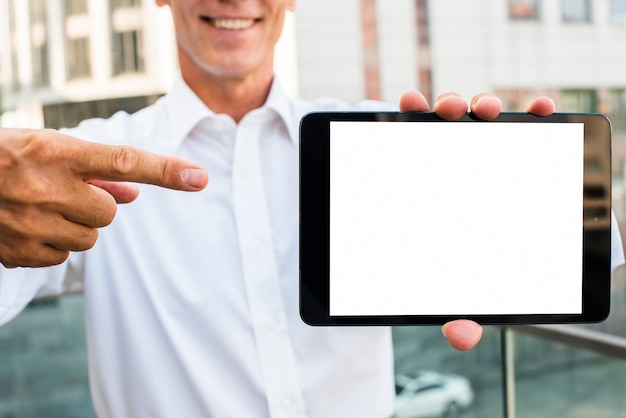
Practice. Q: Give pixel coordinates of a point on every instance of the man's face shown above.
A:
(228, 38)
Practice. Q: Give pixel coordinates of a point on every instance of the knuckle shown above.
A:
(30, 169)
(56, 257)
(90, 239)
(32, 191)
(123, 160)
(19, 226)
(166, 170)
(42, 144)
(84, 241)
(106, 215)
(20, 145)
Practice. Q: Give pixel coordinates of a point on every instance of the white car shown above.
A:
(432, 394)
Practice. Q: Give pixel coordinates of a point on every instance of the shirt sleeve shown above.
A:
(19, 286)
(617, 247)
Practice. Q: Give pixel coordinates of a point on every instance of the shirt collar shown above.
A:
(185, 110)
(280, 103)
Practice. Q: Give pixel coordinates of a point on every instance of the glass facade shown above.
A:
(43, 372)
(618, 12)
(617, 109)
(77, 66)
(557, 380)
(78, 41)
(579, 101)
(576, 10)
(39, 41)
(43, 362)
(424, 350)
(76, 7)
(15, 83)
(127, 44)
(124, 3)
(127, 52)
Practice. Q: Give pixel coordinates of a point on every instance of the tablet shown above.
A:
(406, 218)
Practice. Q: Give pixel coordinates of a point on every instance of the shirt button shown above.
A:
(286, 404)
(259, 245)
(271, 324)
(247, 175)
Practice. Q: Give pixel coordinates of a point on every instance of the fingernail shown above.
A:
(195, 177)
(486, 97)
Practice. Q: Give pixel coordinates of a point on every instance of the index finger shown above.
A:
(96, 161)
(413, 101)
(542, 106)
(450, 106)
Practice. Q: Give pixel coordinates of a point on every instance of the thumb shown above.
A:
(122, 192)
(462, 334)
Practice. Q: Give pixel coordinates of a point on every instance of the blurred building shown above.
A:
(66, 60)
(572, 50)
(62, 52)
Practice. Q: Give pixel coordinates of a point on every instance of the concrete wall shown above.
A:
(477, 47)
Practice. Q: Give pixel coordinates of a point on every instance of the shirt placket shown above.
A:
(277, 361)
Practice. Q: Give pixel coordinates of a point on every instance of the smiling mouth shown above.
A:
(230, 24)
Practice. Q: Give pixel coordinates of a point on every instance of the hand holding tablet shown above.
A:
(410, 219)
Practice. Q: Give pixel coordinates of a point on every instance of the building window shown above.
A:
(75, 7)
(524, 9)
(39, 50)
(576, 10)
(127, 37)
(617, 112)
(15, 81)
(78, 64)
(40, 61)
(127, 56)
(579, 101)
(618, 12)
(116, 4)
(77, 32)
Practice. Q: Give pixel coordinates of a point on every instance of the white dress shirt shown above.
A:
(192, 298)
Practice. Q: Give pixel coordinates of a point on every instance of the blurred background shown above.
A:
(62, 61)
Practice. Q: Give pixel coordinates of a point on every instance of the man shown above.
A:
(191, 298)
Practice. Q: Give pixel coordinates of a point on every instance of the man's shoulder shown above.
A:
(328, 104)
(121, 127)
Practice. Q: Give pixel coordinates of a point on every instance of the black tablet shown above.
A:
(406, 218)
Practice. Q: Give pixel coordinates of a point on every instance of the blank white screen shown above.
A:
(455, 218)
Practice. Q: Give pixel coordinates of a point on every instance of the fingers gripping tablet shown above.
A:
(409, 219)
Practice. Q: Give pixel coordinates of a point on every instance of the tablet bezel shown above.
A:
(315, 221)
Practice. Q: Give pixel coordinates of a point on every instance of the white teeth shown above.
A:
(233, 24)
